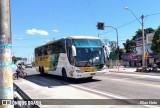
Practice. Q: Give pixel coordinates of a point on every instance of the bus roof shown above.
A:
(71, 37)
(83, 37)
(48, 43)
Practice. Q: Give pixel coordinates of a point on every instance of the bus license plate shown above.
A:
(93, 73)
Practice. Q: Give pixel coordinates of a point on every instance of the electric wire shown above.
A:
(129, 23)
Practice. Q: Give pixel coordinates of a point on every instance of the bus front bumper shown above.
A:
(90, 74)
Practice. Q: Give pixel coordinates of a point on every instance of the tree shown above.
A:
(146, 31)
(113, 47)
(121, 51)
(149, 30)
(130, 46)
(155, 46)
(106, 41)
(138, 32)
(15, 59)
(111, 44)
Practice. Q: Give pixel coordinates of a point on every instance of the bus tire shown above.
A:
(64, 74)
(42, 71)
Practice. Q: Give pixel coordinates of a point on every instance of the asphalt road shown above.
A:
(113, 85)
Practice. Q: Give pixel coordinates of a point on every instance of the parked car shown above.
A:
(28, 66)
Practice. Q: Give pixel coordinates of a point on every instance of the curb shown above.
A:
(24, 97)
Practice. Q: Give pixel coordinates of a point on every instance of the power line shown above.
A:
(119, 26)
(91, 12)
(129, 23)
(152, 14)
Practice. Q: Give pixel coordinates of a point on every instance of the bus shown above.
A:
(72, 57)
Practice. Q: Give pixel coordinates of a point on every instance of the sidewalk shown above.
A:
(34, 91)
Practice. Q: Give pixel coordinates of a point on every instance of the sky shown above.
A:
(36, 22)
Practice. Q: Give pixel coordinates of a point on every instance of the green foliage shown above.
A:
(139, 32)
(33, 63)
(146, 31)
(14, 59)
(111, 44)
(149, 30)
(121, 51)
(130, 46)
(155, 46)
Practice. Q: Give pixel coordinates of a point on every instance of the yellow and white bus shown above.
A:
(72, 57)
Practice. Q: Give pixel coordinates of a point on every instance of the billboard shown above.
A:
(139, 40)
(147, 38)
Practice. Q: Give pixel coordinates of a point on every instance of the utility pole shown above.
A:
(6, 81)
(143, 42)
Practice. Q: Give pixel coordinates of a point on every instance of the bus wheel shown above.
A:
(89, 78)
(42, 71)
(64, 74)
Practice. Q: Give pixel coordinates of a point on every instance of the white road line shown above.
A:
(117, 79)
(140, 76)
(99, 92)
(94, 91)
(134, 82)
(109, 95)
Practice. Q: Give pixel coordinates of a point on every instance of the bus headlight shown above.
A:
(79, 71)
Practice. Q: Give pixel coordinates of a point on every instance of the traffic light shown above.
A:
(100, 26)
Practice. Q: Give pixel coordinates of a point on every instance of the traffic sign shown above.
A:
(146, 54)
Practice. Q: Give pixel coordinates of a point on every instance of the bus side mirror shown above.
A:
(107, 51)
(74, 51)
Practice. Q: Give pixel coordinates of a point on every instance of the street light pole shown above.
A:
(143, 42)
(116, 45)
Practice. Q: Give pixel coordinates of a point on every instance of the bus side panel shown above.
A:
(63, 63)
(42, 61)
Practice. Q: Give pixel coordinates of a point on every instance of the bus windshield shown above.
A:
(89, 56)
(89, 52)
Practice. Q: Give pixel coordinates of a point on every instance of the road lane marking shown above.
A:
(118, 79)
(94, 91)
(141, 75)
(131, 82)
(98, 92)
(108, 94)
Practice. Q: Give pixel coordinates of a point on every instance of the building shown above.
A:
(148, 52)
(129, 59)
